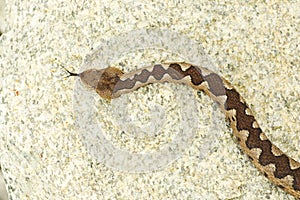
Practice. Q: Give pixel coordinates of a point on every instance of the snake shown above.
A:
(278, 167)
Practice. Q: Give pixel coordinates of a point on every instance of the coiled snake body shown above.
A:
(277, 167)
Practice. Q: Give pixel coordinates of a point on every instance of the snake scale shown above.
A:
(279, 168)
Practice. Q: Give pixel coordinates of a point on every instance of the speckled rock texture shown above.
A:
(254, 45)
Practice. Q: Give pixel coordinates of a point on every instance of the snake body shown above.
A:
(270, 160)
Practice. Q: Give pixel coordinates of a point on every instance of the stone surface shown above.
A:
(253, 45)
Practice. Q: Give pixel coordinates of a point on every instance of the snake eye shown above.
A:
(232, 118)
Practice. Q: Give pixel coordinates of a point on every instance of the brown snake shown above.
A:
(277, 167)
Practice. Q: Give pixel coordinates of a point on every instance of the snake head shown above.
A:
(103, 81)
